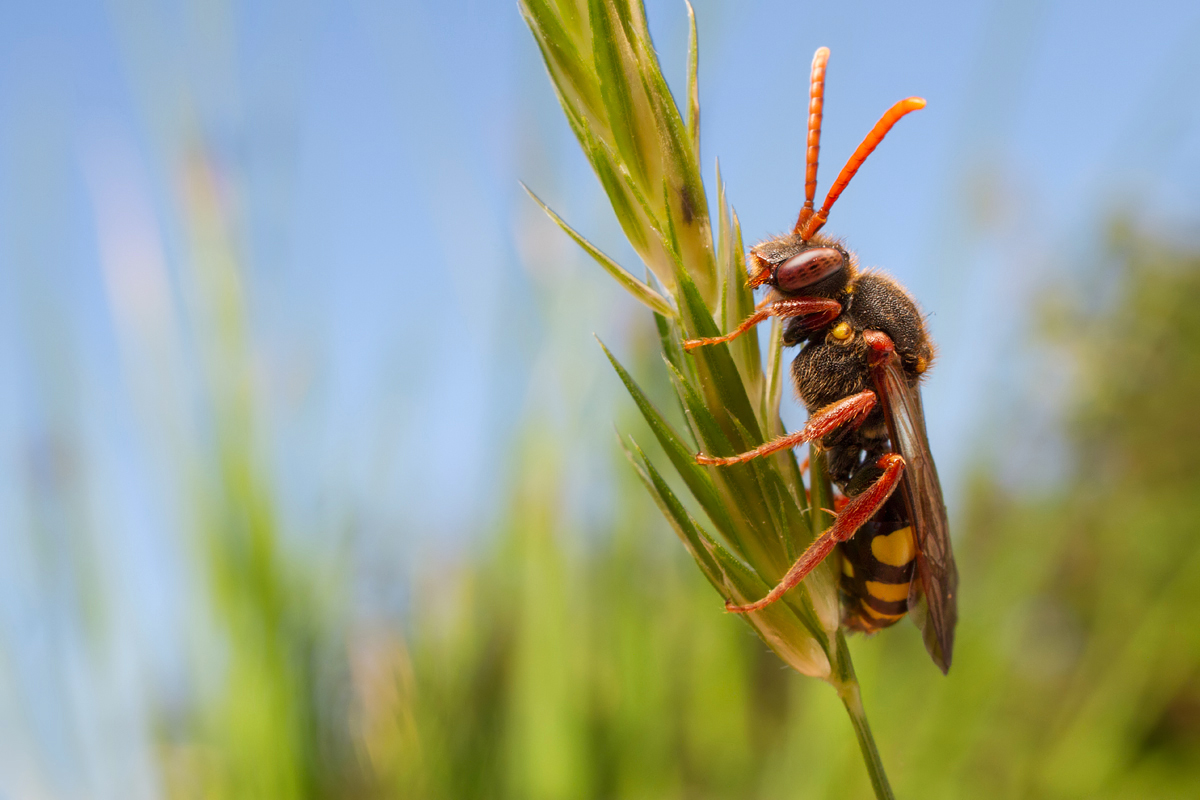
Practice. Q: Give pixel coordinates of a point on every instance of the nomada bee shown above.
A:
(865, 350)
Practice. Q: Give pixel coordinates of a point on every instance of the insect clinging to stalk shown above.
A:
(865, 350)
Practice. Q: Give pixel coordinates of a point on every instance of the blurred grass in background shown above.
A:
(540, 668)
(546, 674)
(554, 659)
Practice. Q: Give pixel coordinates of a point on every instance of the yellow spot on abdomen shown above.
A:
(896, 549)
(847, 568)
(888, 592)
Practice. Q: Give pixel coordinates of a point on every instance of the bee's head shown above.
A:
(795, 266)
(801, 260)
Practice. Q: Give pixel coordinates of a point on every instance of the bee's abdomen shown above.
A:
(877, 571)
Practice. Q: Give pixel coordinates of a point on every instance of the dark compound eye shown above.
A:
(808, 268)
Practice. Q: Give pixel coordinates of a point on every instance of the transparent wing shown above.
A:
(933, 598)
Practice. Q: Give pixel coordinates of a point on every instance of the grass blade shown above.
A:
(723, 387)
(681, 455)
(697, 542)
(655, 301)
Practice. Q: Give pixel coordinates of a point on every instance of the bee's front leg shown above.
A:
(822, 311)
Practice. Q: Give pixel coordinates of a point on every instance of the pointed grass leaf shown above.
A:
(682, 457)
(744, 305)
(769, 485)
(719, 376)
(820, 491)
(737, 299)
(723, 263)
(687, 203)
(655, 301)
(697, 542)
(737, 483)
(773, 390)
(772, 394)
(632, 15)
(669, 341)
(671, 240)
(709, 433)
(569, 72)
(624, 203)
(638, 219)
(620, 88)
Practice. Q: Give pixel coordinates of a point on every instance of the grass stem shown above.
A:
(848, 690)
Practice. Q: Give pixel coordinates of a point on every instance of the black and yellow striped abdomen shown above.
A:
(878, 564)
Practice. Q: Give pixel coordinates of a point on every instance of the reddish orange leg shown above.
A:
(860, 509)
(848, 410)
(822, 312)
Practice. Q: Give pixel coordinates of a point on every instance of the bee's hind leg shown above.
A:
(858, 510)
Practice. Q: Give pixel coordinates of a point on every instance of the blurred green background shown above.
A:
(308, 483)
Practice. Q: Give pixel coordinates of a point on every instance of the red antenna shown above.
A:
(816, 107)
(808, 223)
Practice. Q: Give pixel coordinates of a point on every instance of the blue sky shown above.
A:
(409, 308)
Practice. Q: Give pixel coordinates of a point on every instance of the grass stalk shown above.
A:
(848, 690)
